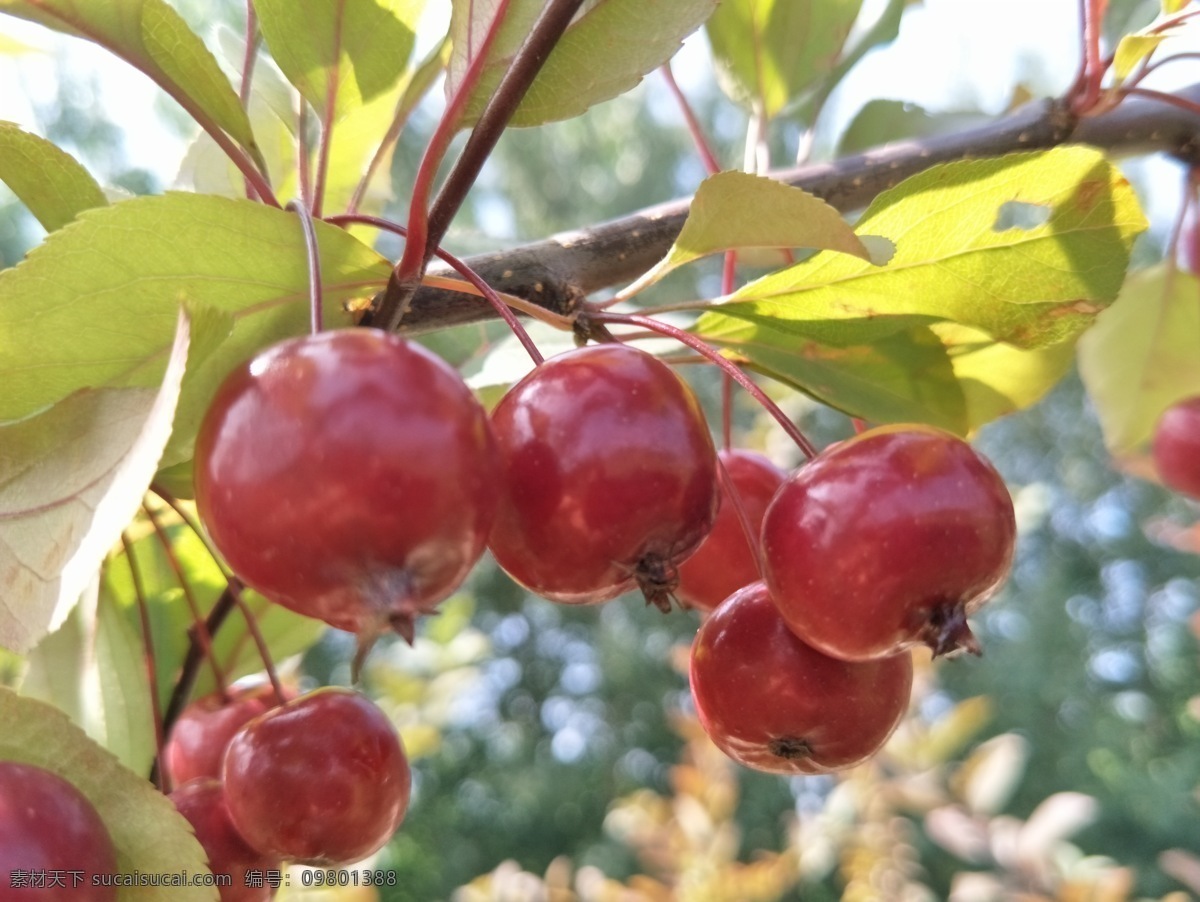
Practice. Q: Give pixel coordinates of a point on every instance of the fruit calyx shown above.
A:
(946, 631)
(790, 748)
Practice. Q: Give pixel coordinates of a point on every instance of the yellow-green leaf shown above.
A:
(769, 51)
(71, 478)
(1027, 248)
(49, 181)
(904, 377)
(604, 53)
(340, 53)
(1142, 355)
(1132, 49)
(153, 37)
(96, 303)
(149, 835)
(737, 210)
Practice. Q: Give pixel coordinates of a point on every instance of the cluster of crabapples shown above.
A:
(352, 476)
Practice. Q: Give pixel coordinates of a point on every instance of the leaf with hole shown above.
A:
(1027, 248)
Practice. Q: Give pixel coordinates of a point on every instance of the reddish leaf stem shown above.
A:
(312, 250)
(490, 295)
(407, 272)
(323, 147)
(190, 596)
(162, 781)
(713, 356)
(693, 124)
(235, 589)
(190, 669)
(1163, 97)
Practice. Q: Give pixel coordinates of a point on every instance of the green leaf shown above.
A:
(1027, 248)
(997, 379)
(49, 181)
(769, 51)
(71, 478)
(151, 36)
(604, 53)
(736, 210)
(95, 304)
(905, 377)
(1132, 49)
(1141, 357)
(94, 669)
(149, 835)
(284, 632)
(881, 121)
(347, 51)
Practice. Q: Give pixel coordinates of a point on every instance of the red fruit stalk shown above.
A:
(774, 703)
(725, 560)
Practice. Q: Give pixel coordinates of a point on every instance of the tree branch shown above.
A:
(558, 272)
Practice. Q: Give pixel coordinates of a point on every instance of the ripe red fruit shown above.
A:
(349, 476)
(725, 562)
(319, 780)
(609, 476)
(1177, 447)
(887, 541)
(200, 736)
(202, 802)
(772, 702)
(47, 825)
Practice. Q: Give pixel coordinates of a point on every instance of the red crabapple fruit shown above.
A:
(773, 703)
(320, 780)
(888, 540)
(608, 476)
(47, 825)
(202, 802)
(1177, 447)
(349, 476)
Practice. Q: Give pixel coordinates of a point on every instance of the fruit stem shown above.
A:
(315, 288)
(235, 588)
(731, 494)
(713, 356)
(304, 170)
(190, 669)
(489, 294)
(163, 781)
(190, 597)
(711, 166)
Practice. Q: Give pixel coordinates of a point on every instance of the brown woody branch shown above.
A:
(558, 272)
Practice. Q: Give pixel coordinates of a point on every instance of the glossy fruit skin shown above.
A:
(888, 540)
(609, 476)
(200, 736)
(320, 780)
(349, 476)
(774, 703)
(1177, 447)
(46, 824)
(725, 562)
(202, 802)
